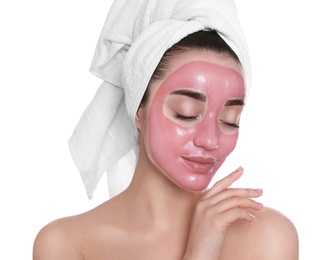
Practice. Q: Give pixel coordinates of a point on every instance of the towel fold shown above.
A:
(133, 40)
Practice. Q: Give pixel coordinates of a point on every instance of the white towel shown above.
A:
(134, 38)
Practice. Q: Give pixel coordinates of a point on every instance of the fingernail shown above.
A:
(251, 215)
(260, 191)
(239, 169)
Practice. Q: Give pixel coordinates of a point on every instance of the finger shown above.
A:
(224, 183)
(225, 219)
(235, 202)
(234, 192)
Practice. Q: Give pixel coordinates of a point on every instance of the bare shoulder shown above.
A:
(77, 237)
(58, 240)
(278, 235)
(271, 236)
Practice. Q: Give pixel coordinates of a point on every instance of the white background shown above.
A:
(45, 52)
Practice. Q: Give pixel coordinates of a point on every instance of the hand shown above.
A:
(215, 211)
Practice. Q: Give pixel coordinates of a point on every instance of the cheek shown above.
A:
(228, 143)
(166, 139)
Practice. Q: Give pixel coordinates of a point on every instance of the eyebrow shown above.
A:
(201, 97)
(191, 94)
(234, 102)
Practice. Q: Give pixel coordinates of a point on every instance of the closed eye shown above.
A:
(230, 124)
(185, 118)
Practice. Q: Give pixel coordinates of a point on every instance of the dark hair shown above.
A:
(201, 40)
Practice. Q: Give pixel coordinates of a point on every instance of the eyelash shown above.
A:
(188, 118)
(185, 118)
(230, 124)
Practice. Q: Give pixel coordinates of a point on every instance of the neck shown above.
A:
(156, 201)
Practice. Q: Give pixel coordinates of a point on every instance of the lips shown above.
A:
(199, 164)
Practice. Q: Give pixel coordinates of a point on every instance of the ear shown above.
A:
(139, 118)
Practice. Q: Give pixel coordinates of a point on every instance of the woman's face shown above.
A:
(193, 118)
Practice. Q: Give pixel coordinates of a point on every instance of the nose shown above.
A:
(207, 135)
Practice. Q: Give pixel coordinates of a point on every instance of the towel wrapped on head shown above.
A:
(133, 40)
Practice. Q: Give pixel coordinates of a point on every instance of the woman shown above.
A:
(187, 124)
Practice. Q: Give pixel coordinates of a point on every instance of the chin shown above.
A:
(196, 184)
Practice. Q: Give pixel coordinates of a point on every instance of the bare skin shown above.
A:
(154, 218)
(114, 231)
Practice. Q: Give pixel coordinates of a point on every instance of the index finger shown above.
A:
(224, 183)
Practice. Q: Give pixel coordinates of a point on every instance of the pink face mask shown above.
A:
(193, 122)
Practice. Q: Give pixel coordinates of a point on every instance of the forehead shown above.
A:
(205, 56)
(186, 59)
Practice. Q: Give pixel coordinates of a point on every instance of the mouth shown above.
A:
(199, 164)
